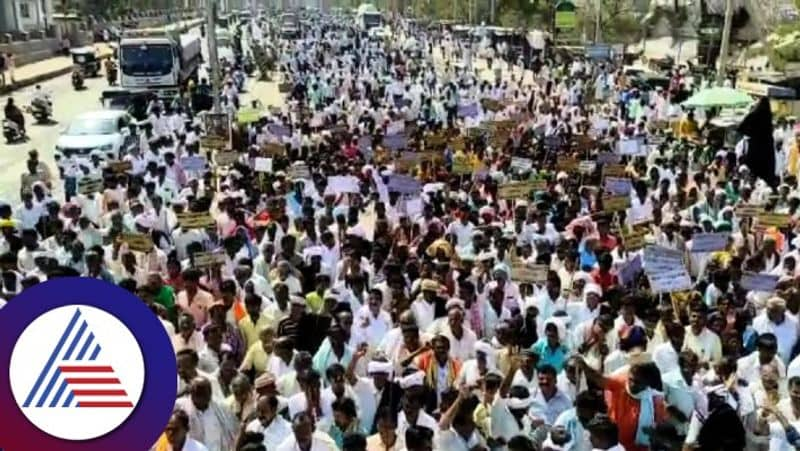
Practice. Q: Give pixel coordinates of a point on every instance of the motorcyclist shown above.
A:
(14, 114)
(111, 71)
(40, 98)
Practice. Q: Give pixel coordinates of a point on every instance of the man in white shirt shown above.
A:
(273, 426)
(749, 368)
(305, 436)
(776, 320)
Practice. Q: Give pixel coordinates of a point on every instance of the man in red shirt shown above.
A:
(603, 275)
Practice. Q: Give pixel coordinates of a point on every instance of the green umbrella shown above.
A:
(718, 97)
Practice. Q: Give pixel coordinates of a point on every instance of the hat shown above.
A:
(430, 285)
(454, 303)
(414, 379)
(297, 300)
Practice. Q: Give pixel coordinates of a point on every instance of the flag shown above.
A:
(760, 155)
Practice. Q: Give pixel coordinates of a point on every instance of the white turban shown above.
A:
(412, 380)
(375, 367)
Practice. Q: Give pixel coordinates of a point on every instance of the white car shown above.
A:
(101, 131)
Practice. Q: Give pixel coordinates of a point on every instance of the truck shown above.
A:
(368, 17)
(162, 64)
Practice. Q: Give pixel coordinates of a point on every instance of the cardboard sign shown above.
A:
(279, 130)
(587, 166)
(261, 164)
(461, 165)
(618, 186)
(118, 167)
(709, 242)
(670, 282)
(614, 170)
(395, 142)
(522, 272)
(205, 260)
(616, 203)
(774, 220)
(138, 242)
(343, 184)
(515, 190)
(299, 170)
(193, 163)
(88, 185)
(553, 142)
(196, 220)
(436, 140)
(213, 142)
(608, 158)
(492, 105)
(567, 164)
(226, 158)
(749, 210)
(751, 281)
(632, 147)
(659, 258)
(635, 239)
(522, 164)
(403, 184)
(273, 150)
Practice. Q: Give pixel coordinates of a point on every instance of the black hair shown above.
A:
(547, 369)
(346, 406)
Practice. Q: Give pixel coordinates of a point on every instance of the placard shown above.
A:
(774, 220)
(635, 239)
(213, 142)
(119, 167)
(709, 242)
(614, 170)
(403, 184)
(538, 184)
(138, 242)
(608, 158)
(343, 184)
(261, 164)
(670, 281)
(468, 110)
(492, 105)
(618, 186)
(273, 150)
(395, 142)
(196, 220)
(616, 203)
(364, 143)
(553, 142)
(522, 164)
(522, 272)
(299, 170)
(436, 140)
(632, 147)
(659, 258)
(514, 190)
(205, 260)
(226, 158)
(193, 163)
(87, 185)
(567, 164)
(751, 281)
(749, 210)
(279, 130)
(587, 166)
(458, 143)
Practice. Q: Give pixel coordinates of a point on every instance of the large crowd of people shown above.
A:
(423, 248)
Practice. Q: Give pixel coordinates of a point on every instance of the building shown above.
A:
(25, 15)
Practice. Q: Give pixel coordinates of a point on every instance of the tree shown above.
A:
(618, 22)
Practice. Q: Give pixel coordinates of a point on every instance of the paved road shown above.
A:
(67, 103)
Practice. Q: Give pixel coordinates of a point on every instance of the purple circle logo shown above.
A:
(78, 377)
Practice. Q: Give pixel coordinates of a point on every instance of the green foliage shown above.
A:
(618, 23)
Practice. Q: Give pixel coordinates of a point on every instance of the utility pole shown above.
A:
(492, 5)
(598, 19)
(211, 37)
(726, 38)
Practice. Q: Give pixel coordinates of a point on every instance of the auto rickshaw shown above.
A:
(86, 59)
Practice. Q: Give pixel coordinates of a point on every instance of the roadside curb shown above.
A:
(44, 76)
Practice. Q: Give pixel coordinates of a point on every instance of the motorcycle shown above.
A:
(12, 132)
(42, 110)
(77, 80)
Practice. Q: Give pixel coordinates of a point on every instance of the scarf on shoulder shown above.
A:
(647, 414)
(432, 373)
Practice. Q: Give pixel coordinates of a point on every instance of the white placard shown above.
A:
(262, 164)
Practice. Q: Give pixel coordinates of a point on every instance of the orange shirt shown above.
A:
(624, 410)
